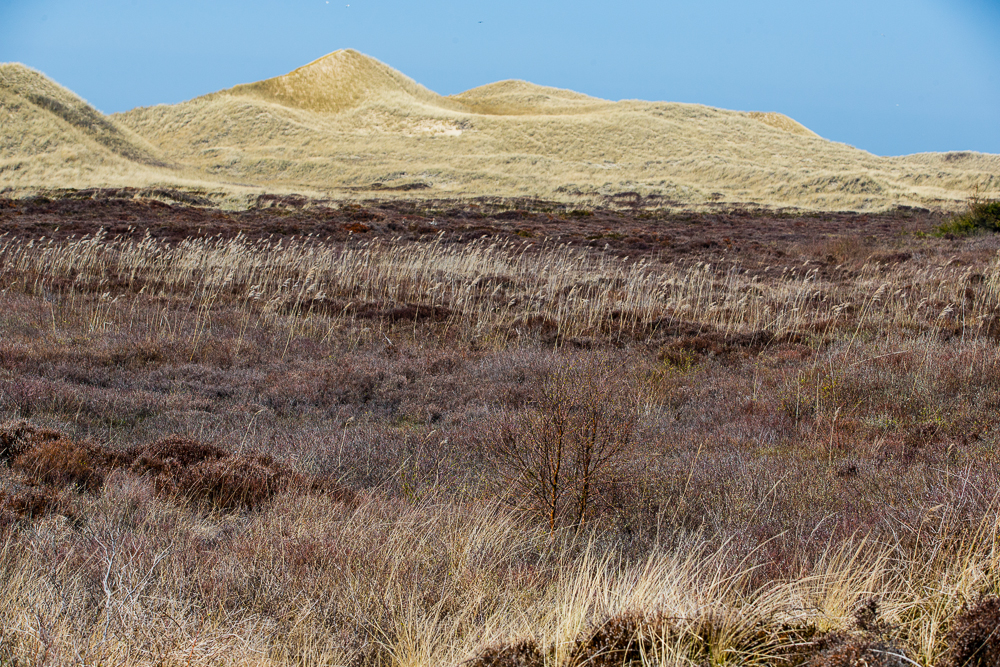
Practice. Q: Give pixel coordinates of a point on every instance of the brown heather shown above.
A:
(975, 637)
(254, 451)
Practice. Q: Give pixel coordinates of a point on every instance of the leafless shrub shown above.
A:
(556, 453)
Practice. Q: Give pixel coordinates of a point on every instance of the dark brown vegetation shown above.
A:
(523, 653)
(46, 461)
(763, 463)
(641, 227)
(634, 639)
(974, 640)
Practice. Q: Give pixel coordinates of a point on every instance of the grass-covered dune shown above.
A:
(347, 126)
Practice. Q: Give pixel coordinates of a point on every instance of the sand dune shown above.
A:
(339, 81)
(520, 98)
(50, 135)
(348, 125)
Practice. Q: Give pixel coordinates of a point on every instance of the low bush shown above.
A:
(982, 216)
(842, 650)
(618, 641)
(524, 653)
(59, 461)
(48, 460)
(18, 436)
(25, 501)
(203, 472)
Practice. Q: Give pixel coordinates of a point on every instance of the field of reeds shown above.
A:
(262, 450)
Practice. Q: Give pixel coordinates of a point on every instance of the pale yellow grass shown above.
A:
(517, 139)
(432, 582)
(347, 125)
(494, 290)
(29, 101)
(51, 138)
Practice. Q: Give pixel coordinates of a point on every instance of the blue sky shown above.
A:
(888, 76)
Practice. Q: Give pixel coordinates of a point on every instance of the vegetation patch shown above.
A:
(59, 462)
(974, 639)
(395, 450)
(48, 461)
(183, 467)
(524, 653)
(981, 217)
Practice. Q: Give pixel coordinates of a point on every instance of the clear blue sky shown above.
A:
(888, 76)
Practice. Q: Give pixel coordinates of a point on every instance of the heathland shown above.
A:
(347, 125)
(516, 378)
(439, 433)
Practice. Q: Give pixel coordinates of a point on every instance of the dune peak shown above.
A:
(516, 97)
(335, 82)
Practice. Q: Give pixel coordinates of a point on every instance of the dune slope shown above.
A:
(349, 125)
(37, 106)
(49, 134)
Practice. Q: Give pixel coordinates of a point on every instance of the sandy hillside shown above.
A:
(50, 135)
(348, 125)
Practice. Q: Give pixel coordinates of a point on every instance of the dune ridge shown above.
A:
(347, 125)
(335, 82)
(22, 86)
(51, 138)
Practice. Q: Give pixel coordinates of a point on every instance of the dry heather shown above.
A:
(348, 124)
(260, 452)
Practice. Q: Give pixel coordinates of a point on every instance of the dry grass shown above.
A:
(51, 138)
(501, 290)
(337, 82)
(517, 139)
(28, 95)
(308, 581)
(347, 124)
(811, 478)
